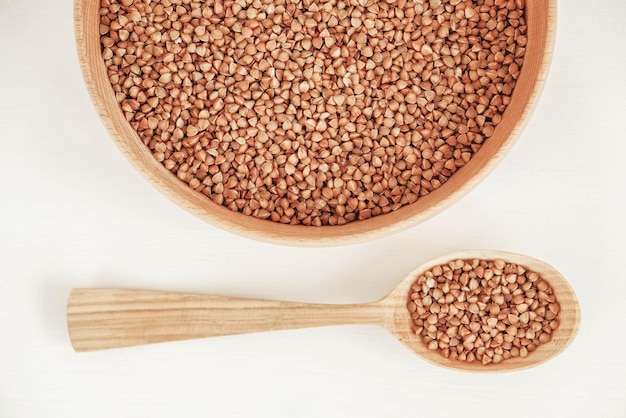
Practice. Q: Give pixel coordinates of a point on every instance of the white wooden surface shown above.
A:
(74, 213)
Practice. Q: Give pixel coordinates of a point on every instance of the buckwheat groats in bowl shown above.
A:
(314, 122)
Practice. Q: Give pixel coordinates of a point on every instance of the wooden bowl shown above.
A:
(540, 16)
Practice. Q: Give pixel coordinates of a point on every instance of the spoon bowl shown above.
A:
(112, 318)
(400, 324)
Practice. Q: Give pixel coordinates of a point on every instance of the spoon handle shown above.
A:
(111, 318)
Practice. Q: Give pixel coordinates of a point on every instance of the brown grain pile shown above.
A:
(483, 311)
(313, 112)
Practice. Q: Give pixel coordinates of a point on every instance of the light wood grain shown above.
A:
(109, 318)
(113, 318)
(541, 29)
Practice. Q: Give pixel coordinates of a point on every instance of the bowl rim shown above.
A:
(539, 50)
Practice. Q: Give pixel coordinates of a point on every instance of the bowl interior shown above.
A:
(540, 16)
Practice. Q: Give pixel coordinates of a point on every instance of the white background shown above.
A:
(74, 213)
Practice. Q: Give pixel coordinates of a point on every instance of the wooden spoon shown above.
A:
(111, 318)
